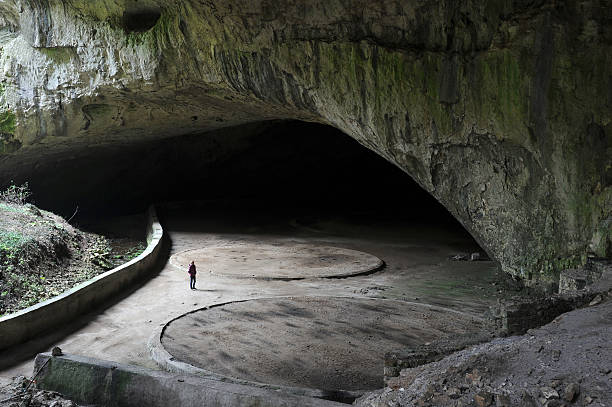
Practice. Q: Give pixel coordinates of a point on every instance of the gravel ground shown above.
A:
(16, 393)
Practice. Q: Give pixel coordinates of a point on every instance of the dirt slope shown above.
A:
(42, 255)
(565, 363)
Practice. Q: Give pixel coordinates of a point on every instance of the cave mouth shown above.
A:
(313, 171)
(272, 164)
(284, 182)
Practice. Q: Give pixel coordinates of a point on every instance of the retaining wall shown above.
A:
(577, 288)
(92, 381)
(32, 321)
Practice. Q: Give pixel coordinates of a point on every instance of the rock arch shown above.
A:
(500, 110)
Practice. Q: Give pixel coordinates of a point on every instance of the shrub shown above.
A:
(16, 194)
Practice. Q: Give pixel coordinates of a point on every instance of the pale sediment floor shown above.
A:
(417, 270)
(325, 343)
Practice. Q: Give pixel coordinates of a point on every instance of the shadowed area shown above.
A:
(276, 163)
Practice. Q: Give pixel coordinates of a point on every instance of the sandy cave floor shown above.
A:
(417, 270)
(278, 260)
(327, 343)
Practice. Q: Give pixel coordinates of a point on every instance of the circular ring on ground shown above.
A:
(325, 343)
(282, 261)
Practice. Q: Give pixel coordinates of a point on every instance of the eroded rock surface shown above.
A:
(501, 110)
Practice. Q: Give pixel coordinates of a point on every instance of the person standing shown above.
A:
(192, 275)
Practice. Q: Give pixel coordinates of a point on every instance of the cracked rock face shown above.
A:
(501, 110)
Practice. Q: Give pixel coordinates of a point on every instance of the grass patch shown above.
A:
(42, 255)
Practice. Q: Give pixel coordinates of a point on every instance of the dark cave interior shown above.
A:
(265, 166)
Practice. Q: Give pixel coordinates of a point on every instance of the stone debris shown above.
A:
(549, 367)
(571, 391)
(467, 257)
(458, 257)
(453, 393)
(17, 394)
(483, 399)
(549, 393)
(572, 280)
(597, 300)
(429, 352)
(502, 400)
(51, 399)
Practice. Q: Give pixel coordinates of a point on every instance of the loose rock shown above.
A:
(453, 393)
(502, 400)
(596, 300)
(571, 391)
(483, 399)
(549, 393)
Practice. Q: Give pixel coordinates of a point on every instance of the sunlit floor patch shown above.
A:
(278, 261)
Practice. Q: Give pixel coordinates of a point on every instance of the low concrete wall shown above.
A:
(578, 288)
(397, 360)
(26, 324)
(92, 381)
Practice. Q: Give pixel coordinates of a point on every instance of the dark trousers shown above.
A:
(192, 282)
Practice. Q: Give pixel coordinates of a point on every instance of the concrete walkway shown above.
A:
(417, 270)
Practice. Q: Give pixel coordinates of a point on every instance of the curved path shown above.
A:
(417, 270)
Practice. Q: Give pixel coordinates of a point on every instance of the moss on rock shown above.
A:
(8, 122)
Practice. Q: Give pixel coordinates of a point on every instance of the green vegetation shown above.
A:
(8, 122)
(11, 244)
(15, 194)
(41, 255)
(8, 125)
(59, 55)
(17, 249)
(131, 253)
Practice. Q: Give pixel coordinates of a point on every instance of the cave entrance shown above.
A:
(293, 193)
(278, 164)
(315, 173)
(281, 198)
